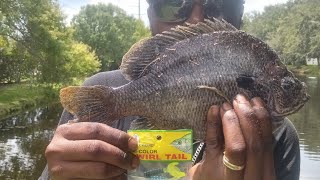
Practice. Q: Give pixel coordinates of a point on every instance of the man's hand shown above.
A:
(90, 151)
(245, 135)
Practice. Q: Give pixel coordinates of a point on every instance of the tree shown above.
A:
(88, 61)
(262, 24)
(292, 29)
(13, 66)
(38, 30)
(109, 31)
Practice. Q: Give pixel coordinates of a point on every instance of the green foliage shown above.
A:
(292, 29)
(40, 46)
(81, 61)
(109, 31)
(12, 62)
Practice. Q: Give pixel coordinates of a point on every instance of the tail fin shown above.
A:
(89, 103)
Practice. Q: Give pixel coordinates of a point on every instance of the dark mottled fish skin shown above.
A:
(174, 84)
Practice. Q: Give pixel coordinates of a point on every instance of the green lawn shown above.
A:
(16, 97)
(305, 70)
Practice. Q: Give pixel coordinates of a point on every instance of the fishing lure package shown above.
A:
(163, 154)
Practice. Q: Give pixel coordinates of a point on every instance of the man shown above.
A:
(240, 141)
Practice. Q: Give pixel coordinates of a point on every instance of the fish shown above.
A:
(184, 143)
(174, 78)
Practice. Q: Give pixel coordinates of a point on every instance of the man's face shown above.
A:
(231, 11)
(157, 26)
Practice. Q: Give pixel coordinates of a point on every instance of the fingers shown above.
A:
(214, 148)
(214, 139)
(235, 146)
(267, 137)
(250, 123)
(246, 131)
(85, 170)
(265, 122)
(90, 142)
(99, 131)
(91, 150)
(196, 172)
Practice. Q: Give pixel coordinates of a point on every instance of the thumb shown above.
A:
(214, 145)
(214, 135)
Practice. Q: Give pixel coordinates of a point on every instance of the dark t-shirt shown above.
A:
(286, 142)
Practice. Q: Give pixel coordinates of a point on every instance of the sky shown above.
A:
(72, 7)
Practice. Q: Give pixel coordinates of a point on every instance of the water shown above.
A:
(23, 138)
(307, 122)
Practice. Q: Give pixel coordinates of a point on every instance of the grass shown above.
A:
(305, 70)
(17, 97)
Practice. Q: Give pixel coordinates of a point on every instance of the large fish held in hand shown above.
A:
(177, 75)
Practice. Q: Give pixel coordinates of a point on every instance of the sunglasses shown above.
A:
(180, 10)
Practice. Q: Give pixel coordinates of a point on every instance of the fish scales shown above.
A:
(173, 82)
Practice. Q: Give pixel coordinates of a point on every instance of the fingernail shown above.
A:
(214, 109)
(257, 101)
(241, 98)
(132, 144)
(226, 106)
(135, 162)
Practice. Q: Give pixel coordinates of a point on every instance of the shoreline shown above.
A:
(15, 98)
(305, 70)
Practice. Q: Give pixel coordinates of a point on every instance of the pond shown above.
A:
(307, 122)
(23, 138)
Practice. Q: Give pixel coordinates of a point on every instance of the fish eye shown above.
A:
(179, 142)
(286, 86)
(287, 83)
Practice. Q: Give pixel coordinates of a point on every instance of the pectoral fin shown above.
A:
(217, 91)
(141, 123)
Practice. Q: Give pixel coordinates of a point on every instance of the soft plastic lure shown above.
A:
(171, 172)
(174, 171)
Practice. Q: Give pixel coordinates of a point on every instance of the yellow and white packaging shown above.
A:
(163, 154)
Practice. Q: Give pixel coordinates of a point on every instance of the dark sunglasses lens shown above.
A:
(173, 10)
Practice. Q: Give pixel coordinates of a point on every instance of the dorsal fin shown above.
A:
(146, 51)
